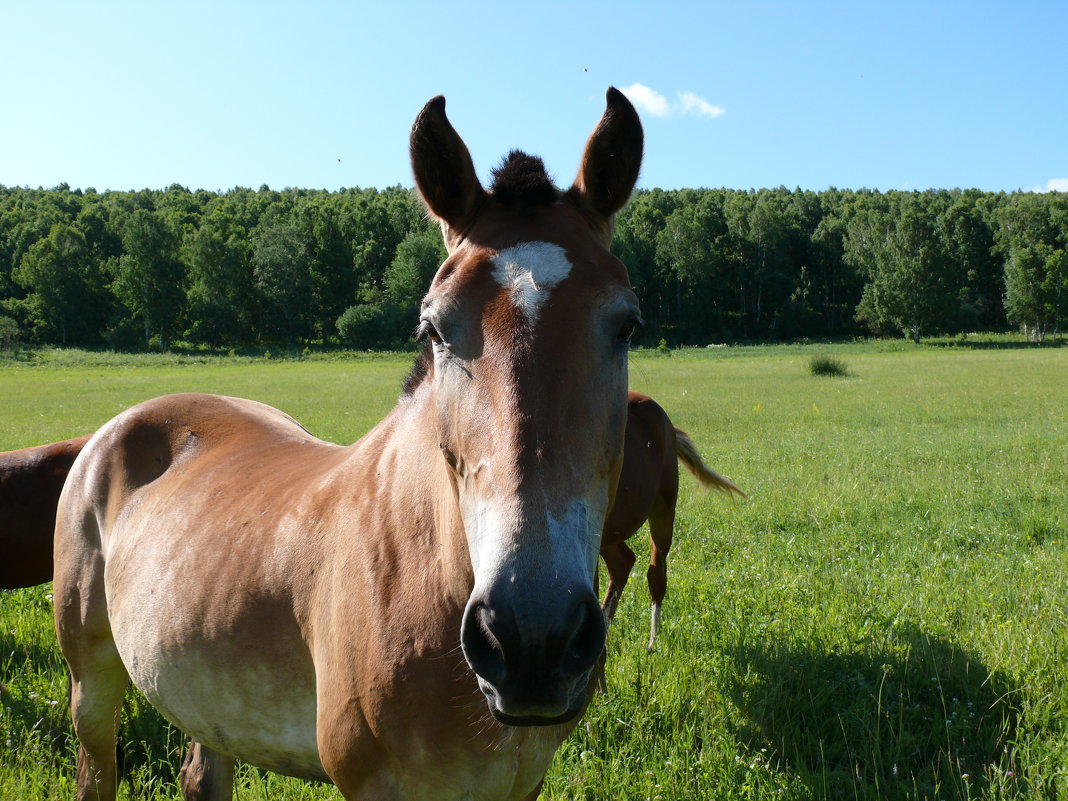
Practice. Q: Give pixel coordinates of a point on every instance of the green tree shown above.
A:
(1036, 289)
(150, 275)
(635, 243)
(907, 287)
(220, 285)
(329, 260)
(965, 227)
(835, 287)
(408, 277)
(66, 298)
(376, 223)
(692, 250)
(367, 326)
(283, 280)
(778, 252)
(9, 332)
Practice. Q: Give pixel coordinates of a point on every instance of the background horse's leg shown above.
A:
(662, 525)
(661, 532)
(206, 775)
(618, 559)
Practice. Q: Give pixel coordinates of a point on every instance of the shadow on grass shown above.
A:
(928, 720)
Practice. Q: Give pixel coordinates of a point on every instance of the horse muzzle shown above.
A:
(533, 658)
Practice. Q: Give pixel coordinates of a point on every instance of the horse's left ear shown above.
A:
(444, 172)
(612, 159)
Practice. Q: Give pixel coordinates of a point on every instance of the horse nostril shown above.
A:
(533, 663)
(481, 648)
(588, 637)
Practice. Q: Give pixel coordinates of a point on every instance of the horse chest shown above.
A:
(424, 733)
(510, 769)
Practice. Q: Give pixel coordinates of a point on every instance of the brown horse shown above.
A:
(412, 616)
(30, 482)
(648, 489)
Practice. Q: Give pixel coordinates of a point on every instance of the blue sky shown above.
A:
(903, 95)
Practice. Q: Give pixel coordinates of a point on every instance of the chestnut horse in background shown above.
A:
(30, 482)
(648, 490)
(412, 616)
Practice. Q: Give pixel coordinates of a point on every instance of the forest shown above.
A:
(158, 269)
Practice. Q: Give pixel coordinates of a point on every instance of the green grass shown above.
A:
(886, 616)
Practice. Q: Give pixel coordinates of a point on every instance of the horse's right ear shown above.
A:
(444, 173)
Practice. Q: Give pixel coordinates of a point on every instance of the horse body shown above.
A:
(295, 630)
(409, 617)
(174, 462)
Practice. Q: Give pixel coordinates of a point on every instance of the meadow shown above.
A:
(884, 617)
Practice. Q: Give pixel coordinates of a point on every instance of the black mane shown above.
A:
(420, 369)
(521, 179)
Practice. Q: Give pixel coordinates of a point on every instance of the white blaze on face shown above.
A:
(566, 550)
(505, 546)
(530, 270)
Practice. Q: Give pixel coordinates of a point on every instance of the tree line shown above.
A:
(134, 270)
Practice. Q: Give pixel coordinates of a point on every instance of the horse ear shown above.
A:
(444, 172)
(612, 158)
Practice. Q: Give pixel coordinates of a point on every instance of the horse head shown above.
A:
(526, 329)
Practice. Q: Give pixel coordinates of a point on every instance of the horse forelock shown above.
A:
(522, 179)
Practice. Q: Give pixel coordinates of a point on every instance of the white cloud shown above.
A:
(1052, 185)
(648, 100)
(695, 104)
(655, 104)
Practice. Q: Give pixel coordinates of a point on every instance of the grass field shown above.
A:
(886, 616)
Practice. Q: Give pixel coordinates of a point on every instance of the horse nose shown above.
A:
(533, 663)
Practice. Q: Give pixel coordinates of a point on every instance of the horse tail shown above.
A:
(692, 461)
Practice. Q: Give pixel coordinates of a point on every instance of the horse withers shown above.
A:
(412, 616)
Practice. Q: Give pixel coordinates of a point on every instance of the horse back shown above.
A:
(186, 479)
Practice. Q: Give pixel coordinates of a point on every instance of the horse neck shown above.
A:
(413, 494)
